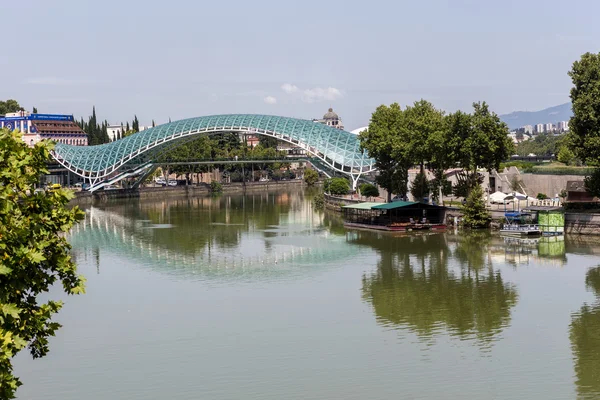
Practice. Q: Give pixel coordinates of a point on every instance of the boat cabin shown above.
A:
(395, 216)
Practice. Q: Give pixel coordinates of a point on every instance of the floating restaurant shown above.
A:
(395, 216)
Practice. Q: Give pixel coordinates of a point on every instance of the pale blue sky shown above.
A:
(184, 58)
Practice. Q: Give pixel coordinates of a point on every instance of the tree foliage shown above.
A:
(475, 214)
(369, 190)
(544, 144)
(311, 177)
(35, 254)
(9, 106)
(338, 186)
(585, 98)
(420, 186)
(421, 135)
(592, 183)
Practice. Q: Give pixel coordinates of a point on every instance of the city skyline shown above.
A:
(175, 60)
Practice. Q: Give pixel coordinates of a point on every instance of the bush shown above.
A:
(311, 177)
(339, 186)
(541, 196)
(369, 190)
(592, 183)
(561, 171)
(475, 214)
(216, 187)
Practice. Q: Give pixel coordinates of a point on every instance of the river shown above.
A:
(262, 297)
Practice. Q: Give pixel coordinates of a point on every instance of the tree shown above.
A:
(387, 141)
(136, 124)
(153, 124)
(369, 190)
(592, 183)
(565, 155)
(35, 110)
(585, 122)
(478, 140)
(420, 186)
(339, 186)
(9, 106)
(35, 254)
(475, 213)
(311, 177)
(516, 183)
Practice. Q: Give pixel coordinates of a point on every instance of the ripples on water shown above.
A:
(260, 297)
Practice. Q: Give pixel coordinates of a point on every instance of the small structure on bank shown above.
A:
(551, 220)
(576, 191)
(395, 216)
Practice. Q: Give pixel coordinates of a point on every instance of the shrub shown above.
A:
(216, 187)
(541, 196)
(311, 177)
(369, 190)
(339, 186)
(475, 214)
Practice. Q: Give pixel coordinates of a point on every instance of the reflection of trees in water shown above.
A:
(585, 341)
(415, 287)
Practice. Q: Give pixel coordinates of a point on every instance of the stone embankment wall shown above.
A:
(582, 223)
(550, 185)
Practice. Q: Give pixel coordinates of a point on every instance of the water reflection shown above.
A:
(212, 237)
(434, 283)
(585, 341)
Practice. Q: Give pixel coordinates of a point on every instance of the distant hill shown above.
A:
(554, 114)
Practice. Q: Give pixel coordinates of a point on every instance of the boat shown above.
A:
(516, 225)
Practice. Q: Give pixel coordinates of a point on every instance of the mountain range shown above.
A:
(517, 119)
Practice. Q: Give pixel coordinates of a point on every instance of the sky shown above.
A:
(187, 58)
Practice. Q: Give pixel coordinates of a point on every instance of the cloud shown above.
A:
(49, 80)
(289, 88)
(313, 95)
(320, 94)
(270, 100)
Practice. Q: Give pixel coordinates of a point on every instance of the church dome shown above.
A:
(331, 115)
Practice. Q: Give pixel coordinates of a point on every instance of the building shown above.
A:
(562, 126)
(528, 129)
(35, 127)
(117, 131)
(331, 119)
(548, 128)
(539, 128)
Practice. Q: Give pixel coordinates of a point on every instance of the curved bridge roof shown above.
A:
(338, 149)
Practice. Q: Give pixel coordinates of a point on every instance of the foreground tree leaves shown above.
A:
(34, 255)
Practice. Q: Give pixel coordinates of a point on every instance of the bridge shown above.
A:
(335, 149)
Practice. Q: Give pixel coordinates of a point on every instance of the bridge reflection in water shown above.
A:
(218, 238)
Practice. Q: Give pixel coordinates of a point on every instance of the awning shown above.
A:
(363, 206)
(395, 204)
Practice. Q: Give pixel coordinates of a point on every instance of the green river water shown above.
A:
(262, 297)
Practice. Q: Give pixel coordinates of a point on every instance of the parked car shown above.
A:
(172, 182)
(53, 187)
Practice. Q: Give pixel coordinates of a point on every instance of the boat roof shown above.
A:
(362, 206)
(515, 214)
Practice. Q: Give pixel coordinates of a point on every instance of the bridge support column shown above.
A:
(355, 179)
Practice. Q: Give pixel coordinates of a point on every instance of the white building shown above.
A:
(116, 131)
(528, 129)
(562, 126)
(539, 128)
(549, 128)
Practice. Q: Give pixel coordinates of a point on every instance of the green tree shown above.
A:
(516, 183)
(35, 110)
(478, 140)
(388, 141)
(592, 182)
(369, 190)
(475, 213)
(565, 155)
(339, 186)
(9, 106)
(420, 186)
(311, 177)
(35, 254)
(585, 122)
(153, 124)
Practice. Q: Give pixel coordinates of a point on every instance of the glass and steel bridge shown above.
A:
(337, 149)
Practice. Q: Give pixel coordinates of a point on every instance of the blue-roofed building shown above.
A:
(60, 128)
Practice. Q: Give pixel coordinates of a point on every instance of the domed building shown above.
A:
(332, 119)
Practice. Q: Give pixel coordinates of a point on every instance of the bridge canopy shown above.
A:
(338, 149)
